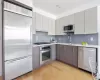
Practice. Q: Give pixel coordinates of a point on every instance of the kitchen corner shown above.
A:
(59, 51)
(61, 44)
(36, 43)
(76, 40)
(79, 46)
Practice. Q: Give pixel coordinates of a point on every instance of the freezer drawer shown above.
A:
(17, 68)
(17, 51)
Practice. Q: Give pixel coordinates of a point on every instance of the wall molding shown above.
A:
(42, 12)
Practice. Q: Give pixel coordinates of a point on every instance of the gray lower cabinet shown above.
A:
(36, 57)
(67, 54)
(59, 50)
(61, 53)
(75, 56)
(53, 52)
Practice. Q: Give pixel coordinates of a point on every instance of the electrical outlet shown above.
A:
(91, 38)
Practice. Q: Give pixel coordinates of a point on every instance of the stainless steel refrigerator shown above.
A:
(17, 41)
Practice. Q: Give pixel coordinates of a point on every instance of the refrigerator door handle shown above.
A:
(13, 60)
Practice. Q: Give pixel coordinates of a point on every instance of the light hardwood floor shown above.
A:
(57, 71)
(0, 78)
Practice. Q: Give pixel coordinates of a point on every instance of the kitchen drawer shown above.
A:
(17, 68)
(16, 51)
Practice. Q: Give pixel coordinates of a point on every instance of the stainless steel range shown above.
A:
(45, 54)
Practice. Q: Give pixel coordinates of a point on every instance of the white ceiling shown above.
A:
(65, 5)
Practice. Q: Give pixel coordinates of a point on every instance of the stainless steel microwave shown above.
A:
(69, 28)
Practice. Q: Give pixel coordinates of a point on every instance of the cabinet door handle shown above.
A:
(73, 49)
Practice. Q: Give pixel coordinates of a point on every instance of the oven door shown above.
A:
(45, 56)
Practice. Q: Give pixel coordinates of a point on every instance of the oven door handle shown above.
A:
(45, 51)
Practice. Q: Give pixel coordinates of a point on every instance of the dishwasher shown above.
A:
(87, 59)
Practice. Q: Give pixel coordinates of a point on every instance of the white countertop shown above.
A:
(94, 46)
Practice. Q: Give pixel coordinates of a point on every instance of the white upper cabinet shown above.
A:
(51, 28)
(57, 30)
(38, 18)
(59, 27)
(60, 23)
(45, 23)
(71, 19)
(85, 22)
(91, 20)
(65, 21)
(79, 23)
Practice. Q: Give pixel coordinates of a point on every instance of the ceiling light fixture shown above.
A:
(58, 6)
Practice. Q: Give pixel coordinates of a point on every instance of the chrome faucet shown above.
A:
(69, 39)
(52, 40)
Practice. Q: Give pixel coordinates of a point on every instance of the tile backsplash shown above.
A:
(75, 39)
(42, 37)
(62, 38)
(89, 38)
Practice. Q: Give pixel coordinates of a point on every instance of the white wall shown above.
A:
(0, 39)
(80, 8)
